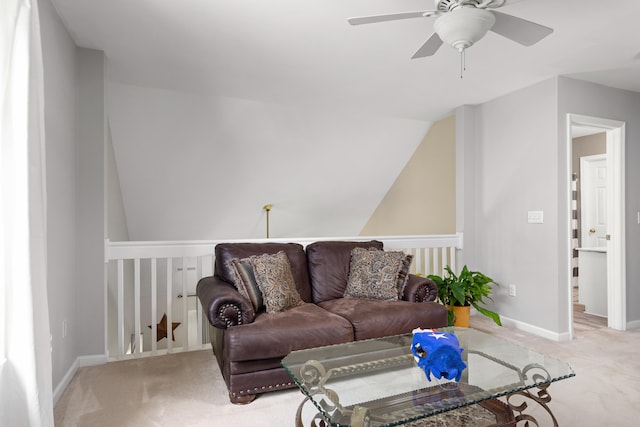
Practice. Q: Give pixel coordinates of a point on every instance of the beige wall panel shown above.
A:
(422, 198)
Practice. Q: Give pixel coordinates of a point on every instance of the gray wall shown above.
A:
(59, 56)
(116, 215)
(465, 178)
(580, 97)
(90, 137)
(509, 155)
(514, 155)
(116, 231)
(74, 131)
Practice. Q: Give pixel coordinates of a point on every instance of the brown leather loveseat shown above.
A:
(249, 341)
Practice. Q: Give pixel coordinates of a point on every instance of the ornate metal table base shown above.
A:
(542, 398)
(505, 413)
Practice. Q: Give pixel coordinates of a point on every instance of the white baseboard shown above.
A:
(555, 336)
(633, 325)
(535, 330)
(80, 362)
(96, 359)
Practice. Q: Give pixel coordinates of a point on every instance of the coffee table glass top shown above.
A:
(377, 382)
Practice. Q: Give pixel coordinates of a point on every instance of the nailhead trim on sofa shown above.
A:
(227, 321)
(261, 389)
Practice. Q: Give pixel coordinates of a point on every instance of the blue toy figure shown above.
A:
(438, 353)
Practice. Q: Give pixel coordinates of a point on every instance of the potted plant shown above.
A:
(469, 289)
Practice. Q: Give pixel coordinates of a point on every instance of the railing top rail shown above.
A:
(191, 248)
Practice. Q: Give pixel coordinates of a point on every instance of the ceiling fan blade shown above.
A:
(491, 4)
(519, 30)
(429, 47)
(390, 17)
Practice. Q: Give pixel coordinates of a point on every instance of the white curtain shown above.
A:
(25, 354)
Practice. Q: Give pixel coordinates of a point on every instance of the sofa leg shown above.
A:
(242, 400)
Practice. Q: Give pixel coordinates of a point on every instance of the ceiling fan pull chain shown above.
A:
(464, 60)
(463, 65)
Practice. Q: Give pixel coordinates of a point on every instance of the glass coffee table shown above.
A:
(378, 383)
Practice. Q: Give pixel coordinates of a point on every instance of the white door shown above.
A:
(593, 201)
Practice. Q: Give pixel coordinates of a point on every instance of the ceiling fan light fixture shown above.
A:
(464, 26)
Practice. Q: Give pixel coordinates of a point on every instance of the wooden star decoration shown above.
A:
(161, 328)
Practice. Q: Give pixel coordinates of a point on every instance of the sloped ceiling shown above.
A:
(220, 106)
(198, 167)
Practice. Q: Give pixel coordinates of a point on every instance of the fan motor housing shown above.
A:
(464, 26)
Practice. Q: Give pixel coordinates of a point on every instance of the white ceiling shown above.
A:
(303, 51)
(353, 90)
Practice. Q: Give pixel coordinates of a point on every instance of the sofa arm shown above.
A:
(223, 304)
(420, 289)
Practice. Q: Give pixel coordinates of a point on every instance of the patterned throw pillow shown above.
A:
(403, 274)
(245, 281)
(275, 280)
(376, 274)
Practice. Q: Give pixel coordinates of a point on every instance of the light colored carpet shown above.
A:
(187, 389)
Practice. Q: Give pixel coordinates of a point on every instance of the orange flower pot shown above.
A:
(462, 314)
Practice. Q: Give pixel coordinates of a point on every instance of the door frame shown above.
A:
(616, 253)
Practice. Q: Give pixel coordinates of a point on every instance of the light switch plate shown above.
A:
(535, 217)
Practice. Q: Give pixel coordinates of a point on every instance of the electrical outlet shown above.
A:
(512, 290)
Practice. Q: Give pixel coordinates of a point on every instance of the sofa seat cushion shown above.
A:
(276, 335)
(374, 318)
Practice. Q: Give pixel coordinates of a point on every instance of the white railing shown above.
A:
(148, 278)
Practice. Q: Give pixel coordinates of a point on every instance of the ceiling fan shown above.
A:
(461, 23)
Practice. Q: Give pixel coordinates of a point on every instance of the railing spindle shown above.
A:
(154, 305)
(185, 314)
(120, 307)
(169, 304)
(136, 307)
(418, 261)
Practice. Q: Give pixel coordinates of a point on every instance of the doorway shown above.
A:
(614, 132)
(589, 174)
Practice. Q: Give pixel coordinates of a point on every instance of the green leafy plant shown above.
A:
(467, 288)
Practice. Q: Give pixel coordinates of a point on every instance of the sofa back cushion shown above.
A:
(295, 253)
(329, 267)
